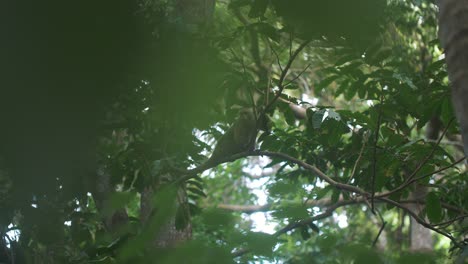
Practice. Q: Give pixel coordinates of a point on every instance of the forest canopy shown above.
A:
(232, 131)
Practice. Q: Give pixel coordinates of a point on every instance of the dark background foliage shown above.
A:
(102, 101)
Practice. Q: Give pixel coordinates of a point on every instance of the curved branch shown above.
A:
(255, 208)
(297, 224)
(419, 219)
(249, 209)
(407, 183)
(412, 178)
(346, 187)
(188, 174)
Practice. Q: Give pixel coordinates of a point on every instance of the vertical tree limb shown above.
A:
(453, 34)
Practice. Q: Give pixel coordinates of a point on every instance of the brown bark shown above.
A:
(101, 194)
(420, 237)
(453, 34)
(168, 235)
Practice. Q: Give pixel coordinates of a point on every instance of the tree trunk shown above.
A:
(453, 34)
(195, 15)
(420, 237)
(168, 235)
(103, 190)
(194, 12)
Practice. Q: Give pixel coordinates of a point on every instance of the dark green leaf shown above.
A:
(325, 82)
(267, 30)
(196, 191)
(435, 66)
(261, 243)
(314, 227)
(433, 207)
(182, 218)
(317, 118)
(304, 232)
(258, 8)
(234, 4)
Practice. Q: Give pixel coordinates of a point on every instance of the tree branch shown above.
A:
(249, 209)
(419, 219)
(262, 71)
(346, 187)
(374, 161)
(284, 72)
(407, 183)
(411, 178)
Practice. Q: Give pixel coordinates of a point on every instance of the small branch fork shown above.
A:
(411, 179)
(365, 196)
(374, 162)
(324, 203)
(284, 72)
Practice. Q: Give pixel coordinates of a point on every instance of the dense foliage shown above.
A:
(102, 101)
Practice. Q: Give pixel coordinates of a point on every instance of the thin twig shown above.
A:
(290, 43)
(254, 45)
(188, 174)
(411, 179)
(437, 171)
(419, 219)
(277, 57)
(240, 252)
(448, 222)
(374, 164)
(299, 75)
(426, 159)
(357, 160)
(329, 211)
(384, 223)
(249, 209)
(284, 72)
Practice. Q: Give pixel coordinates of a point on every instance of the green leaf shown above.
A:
(270, 142)
(317, 118)
(380, 56)
(196, 184)
(437, 65)
(182, 218)
(258, 8)
(305, 233)
(217, 219)
(345, 59)
(117, 201)
(196, 191)
(335, 196)
(433, 208)
(404, 79)
(362, 92)
(362, 254)
(292, 87)
(326, 82)
(351, 91)
(291, 211)
(261, 243)
(333, 114)
(267, 30)
(282, 187)
(314, 227)
(238, 3)
(446, 111)
(410, 258)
